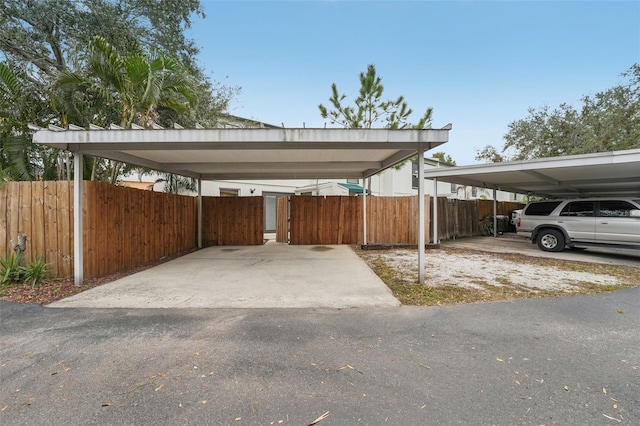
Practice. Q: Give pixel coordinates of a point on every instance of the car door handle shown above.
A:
(604, 223)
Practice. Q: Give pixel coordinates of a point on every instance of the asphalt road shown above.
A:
(559, 361)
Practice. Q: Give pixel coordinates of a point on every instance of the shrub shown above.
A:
(10, 269)
(35, 272)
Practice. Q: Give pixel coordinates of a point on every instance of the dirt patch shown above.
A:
(455, 275)
(465, 269)
(52, 290)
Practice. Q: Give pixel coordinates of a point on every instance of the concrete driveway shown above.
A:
(269, 276)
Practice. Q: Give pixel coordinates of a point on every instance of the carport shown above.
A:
(605, 174)
(218, 154)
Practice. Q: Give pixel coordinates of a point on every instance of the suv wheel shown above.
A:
(550, 240)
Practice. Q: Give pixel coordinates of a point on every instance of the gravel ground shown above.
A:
(468, 269)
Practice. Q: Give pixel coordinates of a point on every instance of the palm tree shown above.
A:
(132, 88)
(136, 84)
(21, 103)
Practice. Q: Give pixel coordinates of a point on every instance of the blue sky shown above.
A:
(479, 64)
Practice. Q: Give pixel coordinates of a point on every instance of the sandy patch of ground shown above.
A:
(476, 270)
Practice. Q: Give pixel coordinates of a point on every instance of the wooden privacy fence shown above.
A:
(43, 211)
(122, 227)
(393, 220)
(461, 218)
(390, 220)
(232, 221)
(338, 220)
(325, 220)
(127, 227)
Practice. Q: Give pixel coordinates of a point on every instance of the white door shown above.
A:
(269, 213)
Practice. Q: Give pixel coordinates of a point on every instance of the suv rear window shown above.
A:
(615, 209)
(541, 208)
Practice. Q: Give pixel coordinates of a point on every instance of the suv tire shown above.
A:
(550, 240)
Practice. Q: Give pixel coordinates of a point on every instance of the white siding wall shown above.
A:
(391, 182)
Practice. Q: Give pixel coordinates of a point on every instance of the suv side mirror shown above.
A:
(634, 213)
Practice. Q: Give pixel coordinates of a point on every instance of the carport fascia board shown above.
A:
(74, 140)
(111, 144)
(114, 144)
(467, 175)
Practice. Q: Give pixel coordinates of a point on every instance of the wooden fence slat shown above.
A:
(282, 219)
(64, 204)
(24, 224)
(89, 214)
(4, 237)
(50, 229)
(13, 214)
(37, 218)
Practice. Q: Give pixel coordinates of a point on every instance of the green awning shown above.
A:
(352, 187)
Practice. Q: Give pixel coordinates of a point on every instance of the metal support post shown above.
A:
(421, 228)
(78, 247)
(199, 213)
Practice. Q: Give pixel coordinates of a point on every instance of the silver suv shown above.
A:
(589, 222)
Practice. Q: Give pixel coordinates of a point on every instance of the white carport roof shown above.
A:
(247, 154)
(211, 154)
(615, 173)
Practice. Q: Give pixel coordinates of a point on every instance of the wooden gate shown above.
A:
(325, 220)
(232, 221)
(282, 219)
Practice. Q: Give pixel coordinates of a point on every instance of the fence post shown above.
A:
(199, 213)
(364, 212)
(421, 254)
(495, 213)
(435, 211)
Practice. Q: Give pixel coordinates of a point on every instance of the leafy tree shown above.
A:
(445, 158)
(490, 154)
(43, 32)
(134, 86)
(607, 121)
(175, 184)
(20, 104)
(369, 107)
(43, 38)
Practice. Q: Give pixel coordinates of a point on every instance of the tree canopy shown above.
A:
(50, 48)
(370, 108)
(606, 121)
(445, 158)
(44, 33)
